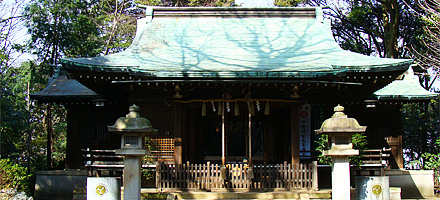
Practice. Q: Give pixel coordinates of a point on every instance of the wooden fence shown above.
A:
(207, 176)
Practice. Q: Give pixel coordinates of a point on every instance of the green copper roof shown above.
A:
(235, 43)
(406, 89)
(60, 88)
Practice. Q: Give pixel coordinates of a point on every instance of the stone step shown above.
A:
(300, 195)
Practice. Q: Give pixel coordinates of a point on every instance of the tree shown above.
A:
(373, 27)
(62, 28)
(421, 125)
(10, 27)
(428, 57)
(421, 130)
(10, 52)
(57, 29)
(117, 24)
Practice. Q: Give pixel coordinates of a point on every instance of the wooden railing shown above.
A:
(376, 156)
(375, 161)
(97, 161)
(106, 163)
(207, 176)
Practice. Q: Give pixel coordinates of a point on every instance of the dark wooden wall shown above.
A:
(87, 128)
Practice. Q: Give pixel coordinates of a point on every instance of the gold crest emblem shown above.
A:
(101, 190)
(376, 189)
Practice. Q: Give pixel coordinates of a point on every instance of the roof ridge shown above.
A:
(235, 11)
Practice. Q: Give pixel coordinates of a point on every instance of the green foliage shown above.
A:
(420, 133)
(321, 146)
(150, 2)
(13, 176)
(148, 175)
(287, 3)
(62, 28)
(23, 125)
(359, 140)
(432, 160)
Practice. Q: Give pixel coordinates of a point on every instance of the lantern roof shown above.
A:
(340, 123)
(132, 123)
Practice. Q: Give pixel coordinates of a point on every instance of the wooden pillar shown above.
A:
(396, 145)
(177, 133)
(294, 133)
(223, 135)
(193, 126)
(250, 139)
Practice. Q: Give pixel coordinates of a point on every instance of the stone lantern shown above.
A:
(133, 130)
(340, 129)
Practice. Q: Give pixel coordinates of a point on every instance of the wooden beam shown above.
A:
(294, 133)
(177, 133)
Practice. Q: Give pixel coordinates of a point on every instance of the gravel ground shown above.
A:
(12, 194)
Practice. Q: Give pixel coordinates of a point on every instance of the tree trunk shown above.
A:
(391, 27)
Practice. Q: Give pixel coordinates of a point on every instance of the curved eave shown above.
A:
(407, 89)
(62, 89)
(406, 98)
(63, 98)
(234, 43)
(137, 71)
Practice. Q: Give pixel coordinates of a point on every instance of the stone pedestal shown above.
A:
(132, 172)
(341, 178)
(132, 178)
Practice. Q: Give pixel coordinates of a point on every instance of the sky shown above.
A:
(19, 35)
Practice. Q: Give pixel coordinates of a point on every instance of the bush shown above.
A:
(13, 176)
(432, 160)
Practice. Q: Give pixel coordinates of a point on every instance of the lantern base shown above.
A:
(131, 152)
(341, 152)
